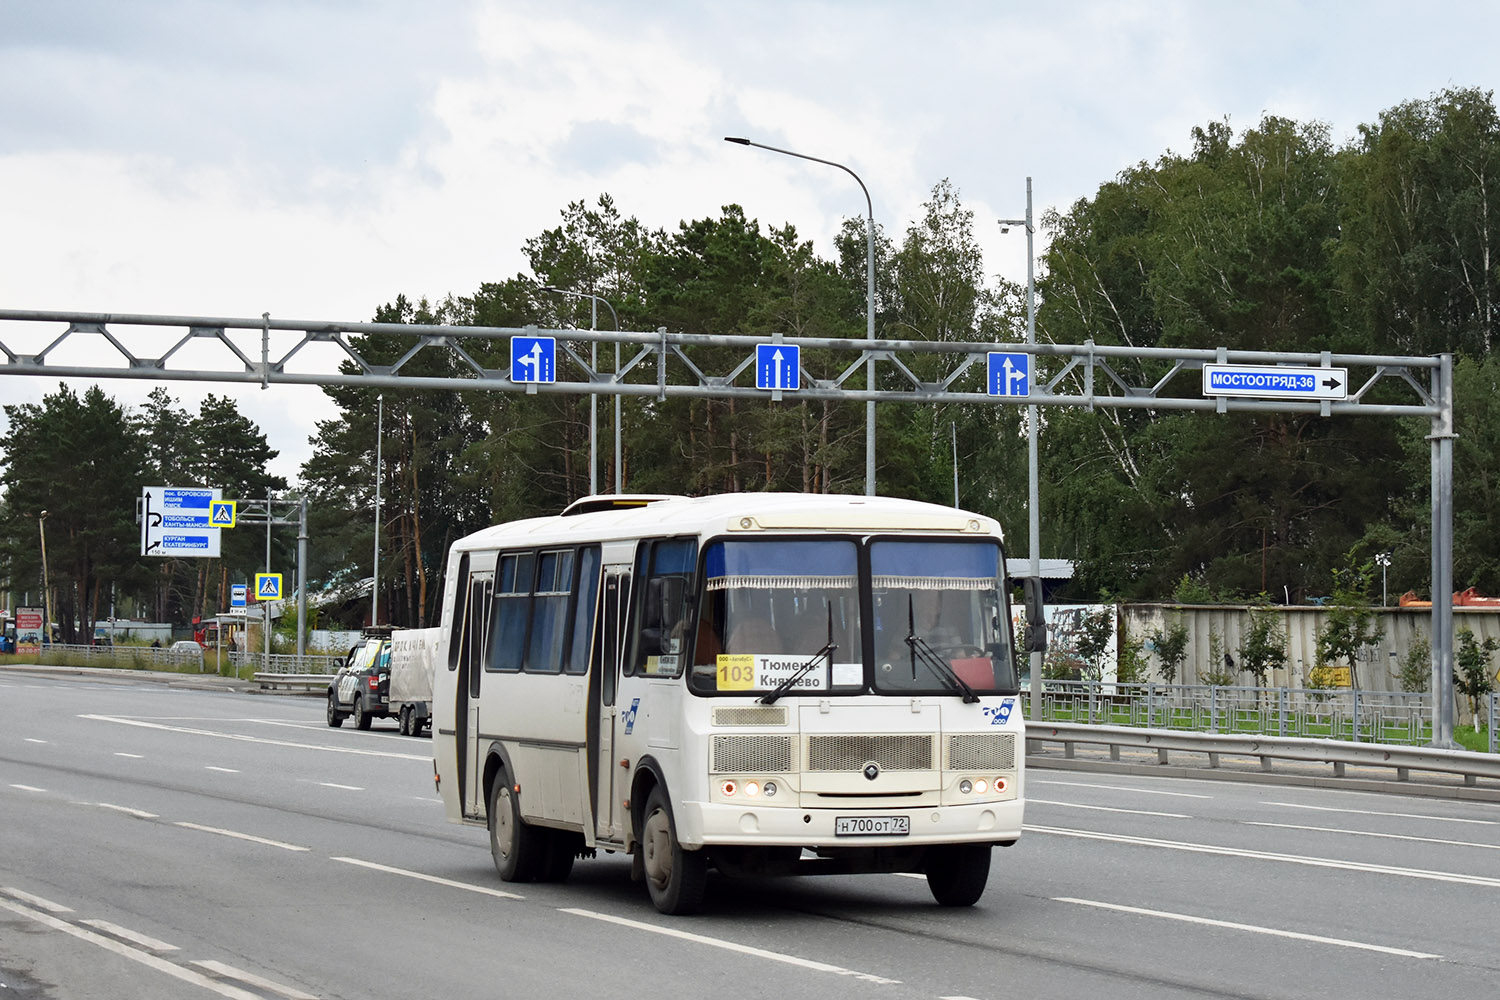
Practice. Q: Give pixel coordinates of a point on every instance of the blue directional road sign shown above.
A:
(177, 521)
(1009, 374)
(1275, 381)
(778, 366)
(268, 586)
(533, 359)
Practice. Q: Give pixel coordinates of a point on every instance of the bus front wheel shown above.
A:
(676, 878)
(515, 845)
(957, 873)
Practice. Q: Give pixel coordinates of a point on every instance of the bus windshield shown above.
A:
(771, 609)
(940, 624)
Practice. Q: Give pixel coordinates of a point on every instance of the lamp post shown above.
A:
(594, 301)
(1034, 525)
(1383, 560)
(869, 299)
(375, 581)
(41, 527)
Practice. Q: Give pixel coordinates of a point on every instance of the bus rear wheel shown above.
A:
(676, 878)
(516, 846)
(957, 873)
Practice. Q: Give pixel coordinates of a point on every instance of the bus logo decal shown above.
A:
(630, 715)
(1000, 714)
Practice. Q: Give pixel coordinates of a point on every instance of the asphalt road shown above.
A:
(157, 842)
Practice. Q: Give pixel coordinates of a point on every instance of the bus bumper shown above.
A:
(701, 824)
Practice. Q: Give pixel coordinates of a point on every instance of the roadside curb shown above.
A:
(194, 682)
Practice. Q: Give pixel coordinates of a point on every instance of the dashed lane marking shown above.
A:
(126, 934)
(743, 949)
(134, 954)
(1111, 809)
(250, 979)
(434, 879)
(1248, 928)
(243, 836)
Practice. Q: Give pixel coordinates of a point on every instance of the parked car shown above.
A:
(361, 688)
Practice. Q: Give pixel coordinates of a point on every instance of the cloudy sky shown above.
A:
(314, 158)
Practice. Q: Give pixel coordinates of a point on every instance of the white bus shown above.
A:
(761, 684)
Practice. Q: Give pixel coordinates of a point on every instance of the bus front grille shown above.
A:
(750, 715)
(900, 752)
(752, 754)
(982, 752)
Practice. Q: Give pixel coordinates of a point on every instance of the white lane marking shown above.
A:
(774, 956)
(1386, 836)
(30, 740)
(347, 788)
(1376, 812)
(250, 979)
(1108, 809)
(132, 756)
(243, 836)
(257, 739)
(1294, 859)
(1248, 928)
(224, 770)
(435, 880)
(127, 810)
(134, 954)
(125, 934)
(1118, 788)
(37, 901)
(29, 788)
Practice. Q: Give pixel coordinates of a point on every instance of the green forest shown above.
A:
(1275, 238)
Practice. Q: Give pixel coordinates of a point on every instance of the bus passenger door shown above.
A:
(476, 649)
(610, 790)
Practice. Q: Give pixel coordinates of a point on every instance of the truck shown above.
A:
(413, 660)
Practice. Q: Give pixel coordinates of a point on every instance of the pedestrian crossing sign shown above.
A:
(268, 586)
(221, 514)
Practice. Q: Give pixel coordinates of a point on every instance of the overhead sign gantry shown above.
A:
(677, 365)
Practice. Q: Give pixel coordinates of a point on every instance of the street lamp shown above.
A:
(1383, 560)
(41, 528)
(594, 301)
(869, 300)
(1034, 532)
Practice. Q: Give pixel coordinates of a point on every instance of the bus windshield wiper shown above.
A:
(800, 672)
(930, 658)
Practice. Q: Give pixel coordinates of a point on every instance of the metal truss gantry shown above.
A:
(662, 365)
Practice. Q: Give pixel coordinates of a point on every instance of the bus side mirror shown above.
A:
(1035, 639)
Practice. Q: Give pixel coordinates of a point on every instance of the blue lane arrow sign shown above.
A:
(533, 359)
(1008, 374)
(778, 366)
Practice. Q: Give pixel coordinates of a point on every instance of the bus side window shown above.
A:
(585, 608)
(661, 615)
(460, 610)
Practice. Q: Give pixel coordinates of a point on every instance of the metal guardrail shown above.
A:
(287, 663)
(1339, 753)
(1307, 713)
(137, 657)
(275, 680)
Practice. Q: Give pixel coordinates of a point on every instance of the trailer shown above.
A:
(413, 660)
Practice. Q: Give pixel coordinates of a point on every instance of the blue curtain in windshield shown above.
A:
(963, 560)
(776, 558)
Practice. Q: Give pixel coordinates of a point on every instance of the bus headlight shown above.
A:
(965, 786)
(770, 789)
(752, 789)
(1001, 785)
(981, 786)
(728, 788)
